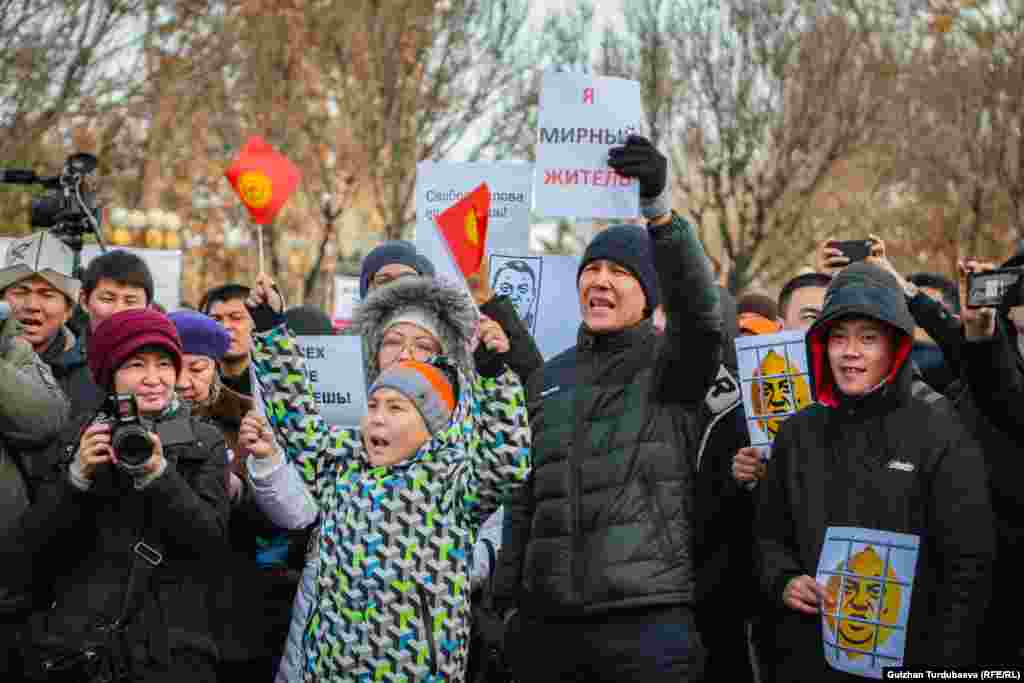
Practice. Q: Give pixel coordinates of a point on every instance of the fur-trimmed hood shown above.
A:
(449, 308)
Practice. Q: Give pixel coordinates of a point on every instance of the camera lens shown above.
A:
(132, 445)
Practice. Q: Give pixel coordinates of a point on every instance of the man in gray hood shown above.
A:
(872, 454)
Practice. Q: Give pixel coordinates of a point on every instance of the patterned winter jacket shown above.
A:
(392, 600)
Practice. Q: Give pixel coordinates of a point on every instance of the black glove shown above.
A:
(264, 317)
(641, 160)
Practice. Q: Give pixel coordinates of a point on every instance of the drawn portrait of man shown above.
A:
(866, 603)
(516, 279)
(778, 389)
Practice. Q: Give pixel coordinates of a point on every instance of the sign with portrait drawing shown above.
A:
(869, 574)
(775, 382)
(543, 290)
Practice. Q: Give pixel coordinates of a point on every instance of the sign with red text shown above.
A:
(582, 117)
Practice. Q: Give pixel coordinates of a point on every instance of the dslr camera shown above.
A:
(129, 431)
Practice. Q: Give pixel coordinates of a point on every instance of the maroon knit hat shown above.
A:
(123, 334)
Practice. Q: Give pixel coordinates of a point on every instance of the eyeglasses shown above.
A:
(419, 349)
(382, 279)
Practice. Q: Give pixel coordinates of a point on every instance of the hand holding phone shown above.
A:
(854, 250)
(987, 289)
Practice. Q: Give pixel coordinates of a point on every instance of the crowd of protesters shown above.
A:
(175, 507)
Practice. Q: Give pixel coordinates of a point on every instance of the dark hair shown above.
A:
(228, 292)
(950, 292)
(516, 266)
(822, 280)
(123, 267)
(762, 304)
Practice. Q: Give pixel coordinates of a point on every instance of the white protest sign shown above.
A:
(335, 369)
(346, 297)
(543, 290)
(774, 380)
(440, 184)
(581, 117)
(870, 576)
(334, 365)
(164, 264)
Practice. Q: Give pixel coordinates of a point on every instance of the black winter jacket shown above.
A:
(66, 357)
(81, 542)
(891, 461)
(607, 519)
(990, 405)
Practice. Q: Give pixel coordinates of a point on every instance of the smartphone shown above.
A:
(986, 290)
(855, 250)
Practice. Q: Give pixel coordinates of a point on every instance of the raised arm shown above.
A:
(994, 372)
(501, 461)
(692, 349)
(278, 489)
(310, 444)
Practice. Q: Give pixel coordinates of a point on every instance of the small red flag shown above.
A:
(464, 228)
(263, 179)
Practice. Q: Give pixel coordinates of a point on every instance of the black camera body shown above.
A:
(67, 205)
(129, 433)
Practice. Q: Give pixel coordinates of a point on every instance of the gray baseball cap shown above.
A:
(44, 255)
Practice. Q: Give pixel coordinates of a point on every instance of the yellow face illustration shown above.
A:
(778, 395)
(255, 188)
(863, 598)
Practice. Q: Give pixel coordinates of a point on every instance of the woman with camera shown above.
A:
(127, 538)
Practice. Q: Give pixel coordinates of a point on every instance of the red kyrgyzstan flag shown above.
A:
(263, 179)
(464, 228)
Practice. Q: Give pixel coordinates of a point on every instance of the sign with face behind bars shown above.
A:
(775, 382)
(870, 576)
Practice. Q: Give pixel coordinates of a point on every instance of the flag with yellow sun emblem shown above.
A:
(263, 179)
(464, 228)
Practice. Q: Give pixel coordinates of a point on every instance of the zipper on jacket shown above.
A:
(428, 626)
(664, 532)
(577, 455)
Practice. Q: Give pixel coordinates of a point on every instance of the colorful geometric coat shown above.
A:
(395, 543)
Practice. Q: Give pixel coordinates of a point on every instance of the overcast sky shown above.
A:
(604, 10)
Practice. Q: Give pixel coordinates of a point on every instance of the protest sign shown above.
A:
(775, 382)
(543, 290)
(334, 365)
(581, 117)
(870, 576)
(164, 264)
(346, 298)
(439, 185)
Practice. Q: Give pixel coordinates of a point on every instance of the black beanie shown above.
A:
(630, 247)
(395, 251)
(308, 321)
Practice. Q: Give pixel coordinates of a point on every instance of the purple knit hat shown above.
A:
(200, 334)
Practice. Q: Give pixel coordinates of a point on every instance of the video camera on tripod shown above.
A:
(68, 207)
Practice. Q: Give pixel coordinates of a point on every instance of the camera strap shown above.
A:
(147, 558)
